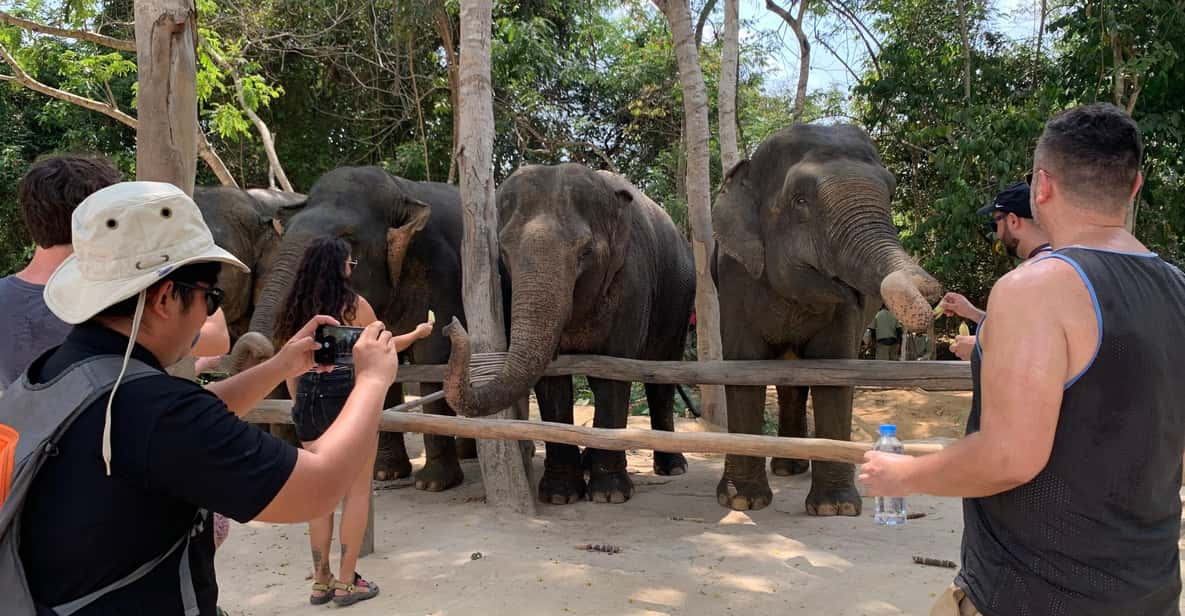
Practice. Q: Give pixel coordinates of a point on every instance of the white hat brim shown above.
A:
(75, 299)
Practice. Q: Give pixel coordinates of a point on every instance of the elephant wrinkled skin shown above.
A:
(595, 267)
(806, 253)
(406, 237)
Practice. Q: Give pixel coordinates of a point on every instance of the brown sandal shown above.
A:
(326, 591)
(353, 594)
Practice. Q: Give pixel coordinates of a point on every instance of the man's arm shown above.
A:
(213, 339)
(955, 304)
(1025, 367)
(243, 391)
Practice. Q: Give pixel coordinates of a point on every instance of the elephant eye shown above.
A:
(799, 200)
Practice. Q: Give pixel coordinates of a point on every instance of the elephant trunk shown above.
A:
(540, 311)
(278, 283)
(870, 256)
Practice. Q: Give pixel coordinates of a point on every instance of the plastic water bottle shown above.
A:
(890, 510)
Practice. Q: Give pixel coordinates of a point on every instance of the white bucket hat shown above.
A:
(126, 238)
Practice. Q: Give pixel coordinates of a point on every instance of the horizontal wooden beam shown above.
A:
(929, 375)
(280, 411)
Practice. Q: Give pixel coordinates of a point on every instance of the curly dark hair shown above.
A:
(319, 287)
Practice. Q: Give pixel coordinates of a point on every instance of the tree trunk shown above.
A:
(695, 111)
(804, 52)
(166, 102)
(965, 37)
(444, 27)
(1040, 39)
(505, 467)
(727, 99)
(704, 13)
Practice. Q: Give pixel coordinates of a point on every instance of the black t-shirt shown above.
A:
(175, 447)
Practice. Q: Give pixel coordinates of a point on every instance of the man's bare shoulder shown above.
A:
(1038, 282)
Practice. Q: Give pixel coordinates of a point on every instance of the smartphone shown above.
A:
(335, 344)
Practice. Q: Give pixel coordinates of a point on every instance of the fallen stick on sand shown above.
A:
(934, 562)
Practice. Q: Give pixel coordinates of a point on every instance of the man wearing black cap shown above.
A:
(1013, 225)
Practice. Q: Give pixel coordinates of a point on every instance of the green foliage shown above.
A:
(951, 155)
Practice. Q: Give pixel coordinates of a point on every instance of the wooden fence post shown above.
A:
(505, 467)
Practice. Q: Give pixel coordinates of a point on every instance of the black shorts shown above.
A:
(320, 397)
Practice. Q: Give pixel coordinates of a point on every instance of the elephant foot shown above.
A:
(466, 448)
(669, 463)
(608, 481)
(391, 460)
(829, 502)
(744, 494)
(439, 475)
(397, 469)
(562, 485)
(785, 467)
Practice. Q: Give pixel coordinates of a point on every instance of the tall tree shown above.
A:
(504, 465)
(726, 100)
(695, 109)
(166, 60)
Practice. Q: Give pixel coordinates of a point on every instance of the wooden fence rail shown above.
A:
(279, 411)
(929, 375)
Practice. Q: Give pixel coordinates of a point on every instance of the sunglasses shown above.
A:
(214, 295)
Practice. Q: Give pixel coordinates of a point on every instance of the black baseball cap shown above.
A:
(1012, 200)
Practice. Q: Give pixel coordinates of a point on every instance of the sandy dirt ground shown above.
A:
(681, 553)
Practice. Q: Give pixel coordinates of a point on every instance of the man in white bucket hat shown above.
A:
(139, 467)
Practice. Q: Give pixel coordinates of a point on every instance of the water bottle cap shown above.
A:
(888, 430)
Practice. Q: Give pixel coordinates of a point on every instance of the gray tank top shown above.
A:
(1096, 531)
(27, 327)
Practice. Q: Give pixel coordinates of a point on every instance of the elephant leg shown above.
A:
(608, 481)
(791, 422)
(391, 460)
(442, 468)
(744, 485)
(833, 491)
(563, 476)
(661, 399)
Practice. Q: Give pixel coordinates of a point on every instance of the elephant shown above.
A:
(243, 222)
(805, 253)
(406, 237)
(595, 267)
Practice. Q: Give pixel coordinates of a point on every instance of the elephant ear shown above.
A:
(736, 223)
(400, 238)
(285, 213)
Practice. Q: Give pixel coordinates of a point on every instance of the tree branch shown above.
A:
(804, 49)
(865, 33)
(20, 76)
(704, 14)
(265, 135)
(82, 35)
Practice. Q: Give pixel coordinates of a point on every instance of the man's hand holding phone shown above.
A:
(376, 361)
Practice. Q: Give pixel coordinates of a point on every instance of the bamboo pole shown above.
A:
(279, 411)
(928, 375)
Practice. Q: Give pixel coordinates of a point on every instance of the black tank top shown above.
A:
(1096, 531)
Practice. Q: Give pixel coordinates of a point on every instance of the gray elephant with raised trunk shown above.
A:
(406, 237)
(806, 253)
(595, 267)
(242, 222)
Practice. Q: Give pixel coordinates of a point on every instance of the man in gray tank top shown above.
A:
(1072, 462)
(47, 195)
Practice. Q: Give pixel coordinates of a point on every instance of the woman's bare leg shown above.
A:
(353, 521)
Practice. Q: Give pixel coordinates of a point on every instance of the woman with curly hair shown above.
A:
(322, 286)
